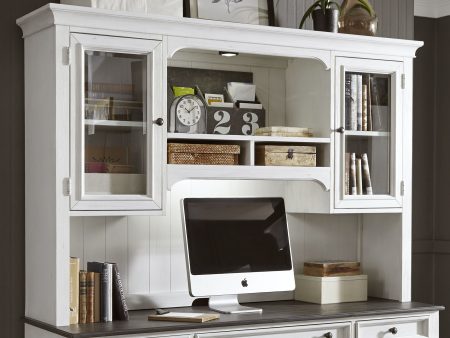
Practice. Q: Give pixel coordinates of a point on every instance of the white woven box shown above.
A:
(162, 7)
(331, 290)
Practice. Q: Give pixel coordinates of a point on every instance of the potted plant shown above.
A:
(325, 15)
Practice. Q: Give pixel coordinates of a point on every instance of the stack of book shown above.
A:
(363, 103)
(357, 175)
(96, 294)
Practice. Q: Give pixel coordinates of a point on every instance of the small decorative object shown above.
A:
(331, 268)
(212, 99)
(203, 154)
(180, 91)
(234, 121)
(188, 114)
(284, 132)
(257, 12)
(241, 91)
(358, 17)
(300, 156)
(325, 15)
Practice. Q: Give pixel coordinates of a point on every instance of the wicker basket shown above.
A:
(203, 154)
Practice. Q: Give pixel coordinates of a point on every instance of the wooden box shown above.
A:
(204, 154)
(270, 155)
(331, 268)
(331, 290)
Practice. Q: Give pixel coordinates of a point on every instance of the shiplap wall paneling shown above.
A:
(396, 17)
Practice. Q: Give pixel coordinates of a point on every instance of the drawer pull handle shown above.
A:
(393, 330)
(328, 335)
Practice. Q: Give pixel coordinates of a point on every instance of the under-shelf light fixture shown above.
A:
(228, 54)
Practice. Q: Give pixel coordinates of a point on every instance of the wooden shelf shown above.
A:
(367, 133)
(179, 172)
(241, 138)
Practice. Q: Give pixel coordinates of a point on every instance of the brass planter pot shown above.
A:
(354, 19)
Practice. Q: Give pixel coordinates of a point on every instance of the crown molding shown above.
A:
(432, 8)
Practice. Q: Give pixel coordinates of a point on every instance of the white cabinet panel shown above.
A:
(117, 114)
(410, 327)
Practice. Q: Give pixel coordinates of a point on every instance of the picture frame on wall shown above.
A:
(256, 12)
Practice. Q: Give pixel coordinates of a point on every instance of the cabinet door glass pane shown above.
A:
(367, 137)
(115, 138)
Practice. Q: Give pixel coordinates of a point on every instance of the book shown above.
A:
(359, 103)
(353, 174)
(82, 301)
(367, 81)
(74, 297)
(105, 270)
(331, 268)
(354, 104)
(185, 317)
(97, 297)
(347, 174)
(348, 101)
(359, 185)
(120, 309)
(364, 107)
(90, 284)
(367, 182)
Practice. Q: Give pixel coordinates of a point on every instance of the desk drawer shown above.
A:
(409, 327)
(338, 330)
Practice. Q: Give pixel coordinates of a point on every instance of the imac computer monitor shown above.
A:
(236, 246)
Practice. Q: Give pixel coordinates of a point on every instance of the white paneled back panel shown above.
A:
(149, 251)
(271, 93)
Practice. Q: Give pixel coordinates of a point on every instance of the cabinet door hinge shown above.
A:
(403, 81)
(67, 56)
(67, 186)
(402, 188)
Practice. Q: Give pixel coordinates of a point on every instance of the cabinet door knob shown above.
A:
(340, 130)
(328, 335)
(393, 330)
(159, 121)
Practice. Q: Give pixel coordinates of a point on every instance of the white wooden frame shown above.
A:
(395, 70)
(153, 49)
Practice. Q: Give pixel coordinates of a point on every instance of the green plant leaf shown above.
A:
(367, 6)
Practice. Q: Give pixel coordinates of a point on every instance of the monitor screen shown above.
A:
(236, 235)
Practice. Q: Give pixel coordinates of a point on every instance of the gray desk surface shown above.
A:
(273, 313)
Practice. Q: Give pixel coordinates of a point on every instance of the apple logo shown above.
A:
(244, 282)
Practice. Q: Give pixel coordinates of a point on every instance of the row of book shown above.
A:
(357, 175)
(96, 294)
(361, 94)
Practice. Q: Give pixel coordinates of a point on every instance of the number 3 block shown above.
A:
(234, 121)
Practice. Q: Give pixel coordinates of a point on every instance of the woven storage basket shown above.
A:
(205, 154)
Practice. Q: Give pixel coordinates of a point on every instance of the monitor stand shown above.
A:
(230, 304)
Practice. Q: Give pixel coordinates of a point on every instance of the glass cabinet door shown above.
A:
(368, 134)
(117, 87)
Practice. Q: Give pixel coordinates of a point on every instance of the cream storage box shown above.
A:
(330, 290)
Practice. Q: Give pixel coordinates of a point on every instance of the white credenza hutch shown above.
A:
(132, 217)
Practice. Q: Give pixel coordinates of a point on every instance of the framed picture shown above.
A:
(256, 12)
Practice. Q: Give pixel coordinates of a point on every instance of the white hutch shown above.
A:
(133, 217)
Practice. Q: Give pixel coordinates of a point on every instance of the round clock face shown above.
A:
(189, 110)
